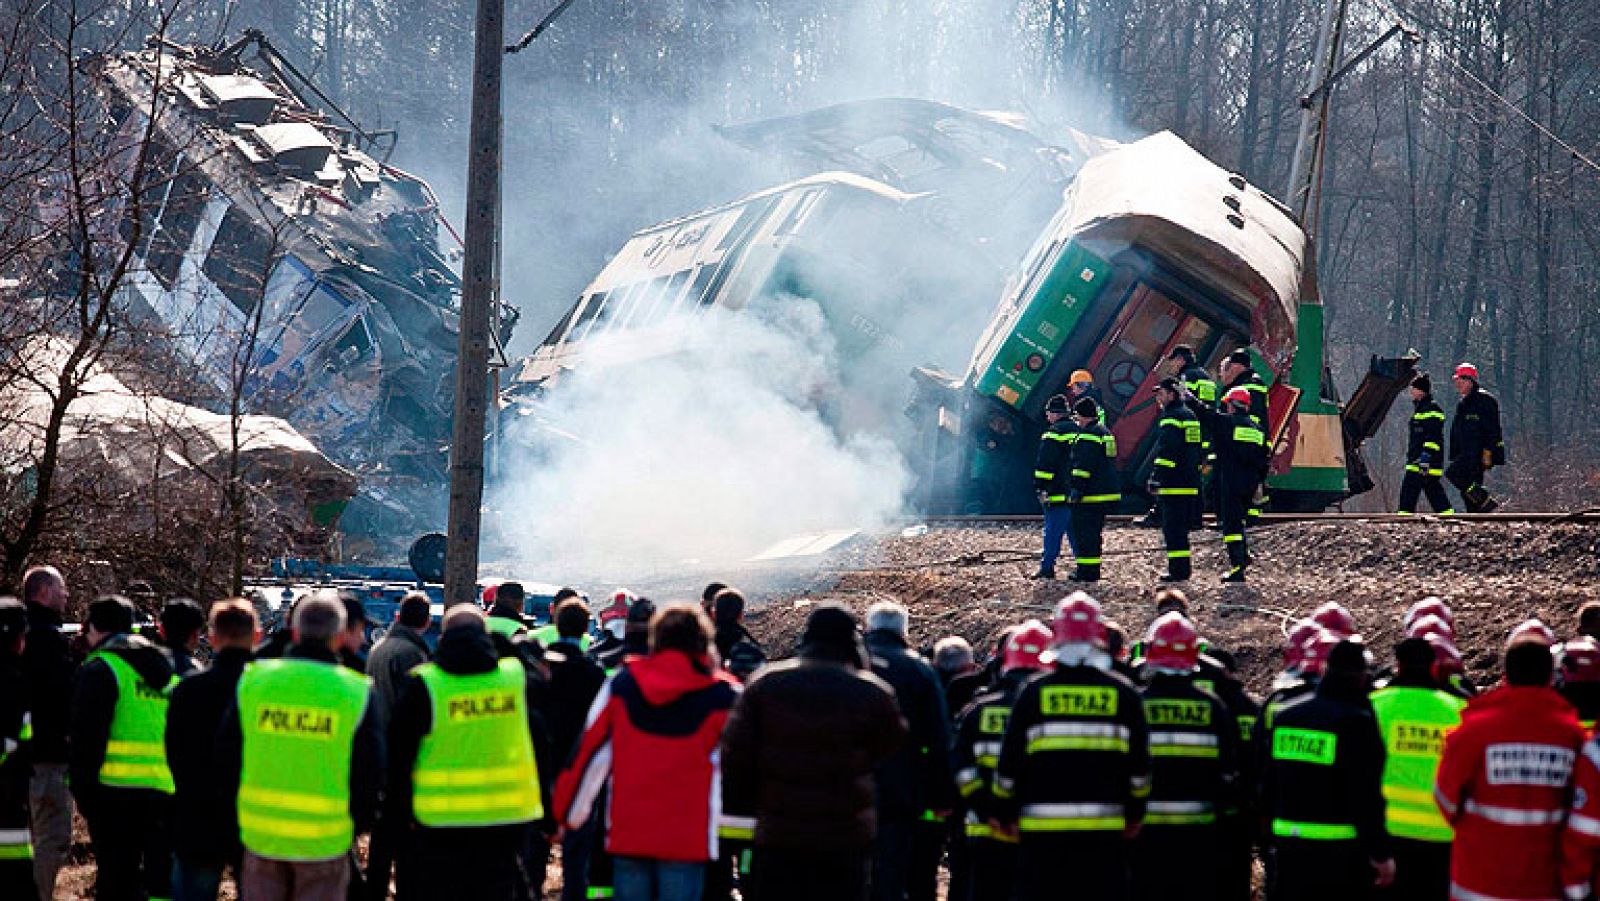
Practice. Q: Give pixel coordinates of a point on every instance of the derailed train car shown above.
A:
(269, 229)
(1153, 246)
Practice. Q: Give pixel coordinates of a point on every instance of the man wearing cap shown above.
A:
(1476, 442)
(1096, 488)
(1052, 479)
(16, 734)
(1074, 767)
(1175, 477)
(1080, 385)
(1424, 452)
(118, 763)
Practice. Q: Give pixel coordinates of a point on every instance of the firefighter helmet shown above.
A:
(1466, 371)
(1335, 618)
(1172, 644)
(1314, 652)
(1430, 625)
(1580, 660)
(1025, 646)
(1294, 642)
(490, 593)
(1078, 621)
(1081, 377)
(1238, 396)
(1429, 606)
(1446, 658)
(1532, 629)
(621, 600)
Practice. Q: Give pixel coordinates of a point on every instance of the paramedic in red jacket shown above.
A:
(653, 732)
(1504, 783)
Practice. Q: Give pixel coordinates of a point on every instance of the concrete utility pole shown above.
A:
(477, 299)
(1314, 114)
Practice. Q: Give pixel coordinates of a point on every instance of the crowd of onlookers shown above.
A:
(665, 755)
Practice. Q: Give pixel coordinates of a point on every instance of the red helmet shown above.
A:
(1172, 643)
(621, 600)
(1532, 630)
(1238, 396)
(1333, 617)
(1446, 658)
(1580, 660)
(1424, 626)
(1467, 371)
(1078, 621)
(1429, 606)
(1294, 642)
(1314, 652)
(1026, 644)
(490, 593)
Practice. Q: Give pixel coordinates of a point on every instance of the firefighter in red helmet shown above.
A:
(1476, 441)
(1074, 769)
(1429, 606)
(993, 855)
(1335, 618)
(1194, 762)
(1579, 661)
(1242, 459)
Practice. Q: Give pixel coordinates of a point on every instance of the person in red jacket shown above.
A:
(653, 734)
(1504, 783)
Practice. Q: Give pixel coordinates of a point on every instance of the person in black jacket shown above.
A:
(182, 626)
(401, 649)
(205, 829)
(916, 782)
(1096, 488)
(1476, 442)
(1424, 452)
(1052, 480)
(1241, 467)
(128, 824)
(16, 733)
(740, 653)
(1238, 371)
(1219, 674)
(50, 669)
(1175, 477)
(1322, 789)
(455, 862)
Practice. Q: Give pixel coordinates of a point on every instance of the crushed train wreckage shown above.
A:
(270, 224)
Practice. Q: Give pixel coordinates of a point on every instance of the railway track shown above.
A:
(1585, 517)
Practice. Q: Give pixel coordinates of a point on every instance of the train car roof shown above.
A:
(832, 178)
(1160, 194)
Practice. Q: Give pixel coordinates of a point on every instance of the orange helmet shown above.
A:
(1424, 626)
(1026, 645)
(1172, 643)
(1580, 660)
(1333, 617)
(1429, 606)
(1314, 653)
(1078, 621)
(1532, 630)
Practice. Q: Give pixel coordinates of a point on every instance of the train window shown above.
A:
(175, 230)
(561, 327)
(697, 290)
(592, 313)
(798, 213)
(239, 260)
(1137, 340)
(352, 345)
(749, 217)
(661, 301)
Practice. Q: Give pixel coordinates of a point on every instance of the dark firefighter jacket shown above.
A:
(1194, 750)
(1201, 385)
(1425, 450)
(1052, 471)
(1176, 468)
(979, 732)
(1323, 775)
(1246, 713)
(1476, 428)
(1242, 457)
(1076, 754)
(917, 777)
(16, 733)
(1094, 467)
(1251, 382)
(94, 703)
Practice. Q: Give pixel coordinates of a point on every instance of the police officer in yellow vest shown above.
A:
(1414, 716)
(464, 787)
(118, 758)
(304, 743)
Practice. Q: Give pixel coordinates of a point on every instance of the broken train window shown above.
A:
(238, 262)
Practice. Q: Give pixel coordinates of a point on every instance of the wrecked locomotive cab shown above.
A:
(269, 228)
(1153, 246)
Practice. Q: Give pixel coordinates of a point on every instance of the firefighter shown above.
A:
(1219, 673)
(1241, 466)
(1175, 477)
(992, 855)
(1476, 442)
(1081, 385)
(1580, 842)
(1074, 768)
(1096, 488)
(1322, 789)
(16, 734)
(1580, 678)
(1505, 782)
(1052, 479)
(1430, 606)
(1238, 372)
(118, 763)
(1424, 452)
(1336, 618)
(1193, 751)
(1414, 715)
(463, 812)
(1202, 390)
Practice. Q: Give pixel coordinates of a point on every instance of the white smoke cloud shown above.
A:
(710, 453)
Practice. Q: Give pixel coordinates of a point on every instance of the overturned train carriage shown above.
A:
(1154, 246)
(267, 227)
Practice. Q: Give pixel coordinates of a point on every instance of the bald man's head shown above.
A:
(463, 616)
(44, 586)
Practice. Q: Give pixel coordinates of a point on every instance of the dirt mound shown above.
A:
(972, 582)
